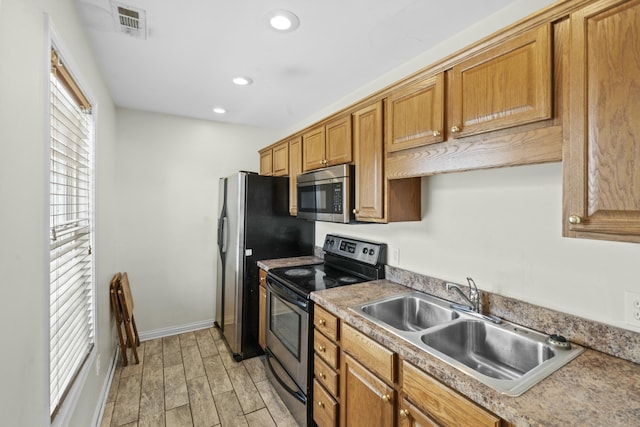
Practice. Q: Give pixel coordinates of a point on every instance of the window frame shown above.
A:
(70, 400)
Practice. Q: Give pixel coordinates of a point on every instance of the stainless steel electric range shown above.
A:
(290, 312)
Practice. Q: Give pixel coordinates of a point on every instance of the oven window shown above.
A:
(286, 325)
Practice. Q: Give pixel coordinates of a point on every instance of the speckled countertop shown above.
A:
(288, 262)
(595, 389)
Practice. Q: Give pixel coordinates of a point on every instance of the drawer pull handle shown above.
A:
(321, 348)
(322, 322)
(320, 404)
(574, 219)
(385, 398)
(404, 413)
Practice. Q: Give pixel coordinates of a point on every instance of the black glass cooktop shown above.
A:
(308, 278)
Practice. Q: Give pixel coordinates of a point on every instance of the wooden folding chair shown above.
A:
(117, 314)
(126, 304)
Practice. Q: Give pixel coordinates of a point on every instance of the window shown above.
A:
(71, 306)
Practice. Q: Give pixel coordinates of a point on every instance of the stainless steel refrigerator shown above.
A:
(253, 224)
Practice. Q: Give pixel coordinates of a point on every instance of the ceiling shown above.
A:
(194, 48)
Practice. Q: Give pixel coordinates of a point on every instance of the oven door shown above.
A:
(288, 330)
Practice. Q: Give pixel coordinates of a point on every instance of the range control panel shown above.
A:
(361, 250)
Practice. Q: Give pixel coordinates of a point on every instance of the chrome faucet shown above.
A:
(473, 299)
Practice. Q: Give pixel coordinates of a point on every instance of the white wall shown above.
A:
(23, 257)
(503, 228)
(168, 171)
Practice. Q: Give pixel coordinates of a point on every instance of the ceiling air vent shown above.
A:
(130, 20)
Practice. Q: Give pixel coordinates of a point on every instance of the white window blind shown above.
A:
(70, 200)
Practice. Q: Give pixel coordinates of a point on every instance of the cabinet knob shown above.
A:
(385, 398)
(322, 322)
(320, 404)
(355, 211)
(404, 413)
(436, 133)
(322, 375)
(574, 219)
(322, 162)
(321, 348)
(455, 129)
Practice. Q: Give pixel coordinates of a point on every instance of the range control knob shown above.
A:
(371, 251)
(364, 251)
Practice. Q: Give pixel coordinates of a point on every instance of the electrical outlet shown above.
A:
(395, 257)
(632, 308)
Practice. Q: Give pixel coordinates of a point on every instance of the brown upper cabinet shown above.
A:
(369, 162)
(295, 167)
(378, 199)
(602, 153)
(507, 85)
(415, 114)
(266, 161)
(327, 145)
(275, 160)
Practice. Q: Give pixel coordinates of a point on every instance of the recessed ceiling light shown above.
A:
(219, 110)
(242, 81)
(283, 20)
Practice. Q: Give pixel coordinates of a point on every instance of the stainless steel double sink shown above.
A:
(506, 357)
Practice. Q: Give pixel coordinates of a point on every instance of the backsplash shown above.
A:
(608, 339)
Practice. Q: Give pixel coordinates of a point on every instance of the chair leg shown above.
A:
(135, 331)
(130, 339)
(116, 309)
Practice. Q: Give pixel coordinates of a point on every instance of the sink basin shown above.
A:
(494, 351)
(506, 357)
(409, 312)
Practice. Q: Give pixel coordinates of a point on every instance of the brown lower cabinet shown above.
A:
(377, 388)
(262, 310)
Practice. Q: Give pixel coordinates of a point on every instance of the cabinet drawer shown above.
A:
(373, 355)
(325, 408)
(325, 322)
(441, 403)
(326, 349)
(325, 375)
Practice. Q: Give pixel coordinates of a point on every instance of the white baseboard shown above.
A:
(106, 386)
(174, 330)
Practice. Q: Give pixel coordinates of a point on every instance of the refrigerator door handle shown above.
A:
(224, 234)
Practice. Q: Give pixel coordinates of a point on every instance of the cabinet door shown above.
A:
(266, 162)
(313, 154)
(602, 191)
(281, 159)
(262, 313)
(442, 404)
(262, 309)
(338, 141)
(415, 114)
(369, 161)
(412, 416)
(295, 167)
(506, 86)
(366, 400)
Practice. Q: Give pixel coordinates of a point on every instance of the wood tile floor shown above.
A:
(191, 380)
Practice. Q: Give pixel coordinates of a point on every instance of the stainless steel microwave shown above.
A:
(327, 194)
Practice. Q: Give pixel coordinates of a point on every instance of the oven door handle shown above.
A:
(295, 393)
(273, 287)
